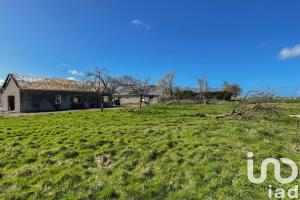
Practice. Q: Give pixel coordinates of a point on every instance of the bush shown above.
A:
(189, 94)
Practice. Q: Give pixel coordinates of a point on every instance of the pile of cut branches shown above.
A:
(253, 102)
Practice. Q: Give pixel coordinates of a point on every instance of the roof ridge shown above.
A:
(50, 83)
(16, 75)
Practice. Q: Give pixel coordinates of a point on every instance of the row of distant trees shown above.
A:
(204, 94)
(243, 108)
(105, 84)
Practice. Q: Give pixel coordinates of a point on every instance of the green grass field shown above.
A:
(158, 152)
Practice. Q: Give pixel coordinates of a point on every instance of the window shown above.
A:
(93, 99)
(57, 100)
(106, 99)
(77, 99)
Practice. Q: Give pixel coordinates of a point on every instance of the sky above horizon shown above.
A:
(253, 43)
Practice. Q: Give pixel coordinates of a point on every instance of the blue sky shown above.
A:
(253, 43)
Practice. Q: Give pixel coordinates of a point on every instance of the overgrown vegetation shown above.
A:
(203, 94)
(157, 152)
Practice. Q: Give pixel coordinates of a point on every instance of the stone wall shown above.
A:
(126, 100)
(36, 101)
(134, 100)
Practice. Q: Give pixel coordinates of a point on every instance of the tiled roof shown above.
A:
(54, 84)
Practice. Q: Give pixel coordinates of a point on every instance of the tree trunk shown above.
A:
(141, 99)
(224, 115)
(102, 103)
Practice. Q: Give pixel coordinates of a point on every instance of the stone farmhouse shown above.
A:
(36, 94)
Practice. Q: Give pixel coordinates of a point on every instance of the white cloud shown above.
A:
(289, 52)
(1, 82)
(140, 23)
(75, 72)
(71, 78)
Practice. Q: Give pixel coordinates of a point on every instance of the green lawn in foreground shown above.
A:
(154, 153)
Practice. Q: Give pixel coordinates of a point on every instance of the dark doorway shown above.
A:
(11, 103)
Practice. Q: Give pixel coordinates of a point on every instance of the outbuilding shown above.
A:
(35, 94)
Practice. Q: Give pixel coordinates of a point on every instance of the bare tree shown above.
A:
(167, 84)
(102, 83)
(113, 84)
(127, 81)
(203, 89)
(141, 88)
(234, 89)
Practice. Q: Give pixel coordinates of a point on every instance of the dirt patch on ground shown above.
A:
(296, 116)
(16, 114)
